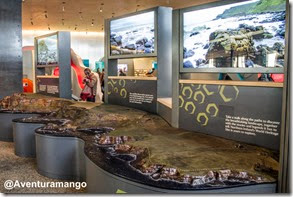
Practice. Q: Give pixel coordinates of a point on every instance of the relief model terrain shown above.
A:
(142, 147)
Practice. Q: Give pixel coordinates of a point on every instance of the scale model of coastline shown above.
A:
(143, 148)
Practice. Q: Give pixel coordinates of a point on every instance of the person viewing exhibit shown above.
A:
(90, 88)
(145, 97)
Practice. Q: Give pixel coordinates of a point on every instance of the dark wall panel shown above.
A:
(139, 94)
(244, 114)
(10, 47)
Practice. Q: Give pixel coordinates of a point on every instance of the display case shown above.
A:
(141, 35)
(52, 60)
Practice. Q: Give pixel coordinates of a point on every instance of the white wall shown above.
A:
(87, 45)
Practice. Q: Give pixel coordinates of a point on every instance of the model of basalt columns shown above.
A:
(148, 147)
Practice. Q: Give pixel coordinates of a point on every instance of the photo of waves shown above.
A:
(133, 35)
(246, 34)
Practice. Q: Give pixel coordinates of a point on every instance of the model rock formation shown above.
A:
(150, 150)
(32, 103)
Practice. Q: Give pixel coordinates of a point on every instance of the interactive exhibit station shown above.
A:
(173, 132)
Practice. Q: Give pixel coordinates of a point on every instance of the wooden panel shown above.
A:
(235, 83)
(165, 101)
(90, 9)
(134, 78)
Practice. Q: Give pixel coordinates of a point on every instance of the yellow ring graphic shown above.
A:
(109, 83)
(212, 105)
(202, 96)
(227, 99)
(187, 107)
(116, 90)
(237, 91)
(182, 101)
(190, 91)
(202, 115)
(207, 91)
(120, 81)
(123, 91)
(114, 82)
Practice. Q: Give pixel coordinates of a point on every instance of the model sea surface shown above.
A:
(142, 147)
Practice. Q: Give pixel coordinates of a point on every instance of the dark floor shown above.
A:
(15, 168)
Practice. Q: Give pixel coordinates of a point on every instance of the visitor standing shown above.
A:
(88, 93)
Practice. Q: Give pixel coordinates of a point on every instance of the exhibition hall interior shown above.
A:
(145, 97)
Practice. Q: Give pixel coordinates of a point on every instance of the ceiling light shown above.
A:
(46, 14)
(49, 28)
(32, 21)
(101, 8)
(80, 16)
(63, 7)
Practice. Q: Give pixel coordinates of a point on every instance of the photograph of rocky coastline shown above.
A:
(133, 35)
(47, 50)
(240, 35)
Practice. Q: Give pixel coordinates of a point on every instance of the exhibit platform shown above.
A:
(127, 147)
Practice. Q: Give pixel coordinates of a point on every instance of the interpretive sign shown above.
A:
(242, 113)
(139, 94)
(48, 86)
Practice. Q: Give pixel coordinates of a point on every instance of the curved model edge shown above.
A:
(6, 129)
(64, 158)
(24, 138)
(60, 157)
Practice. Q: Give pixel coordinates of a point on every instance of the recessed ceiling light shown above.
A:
(80, 15)
(63, 7)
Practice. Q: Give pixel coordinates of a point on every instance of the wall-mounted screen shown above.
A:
(133, 35)
(47, 50)
(247, 34)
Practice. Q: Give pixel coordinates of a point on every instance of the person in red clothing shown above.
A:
(88, 93)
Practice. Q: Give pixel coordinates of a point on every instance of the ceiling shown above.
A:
(87, 15)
